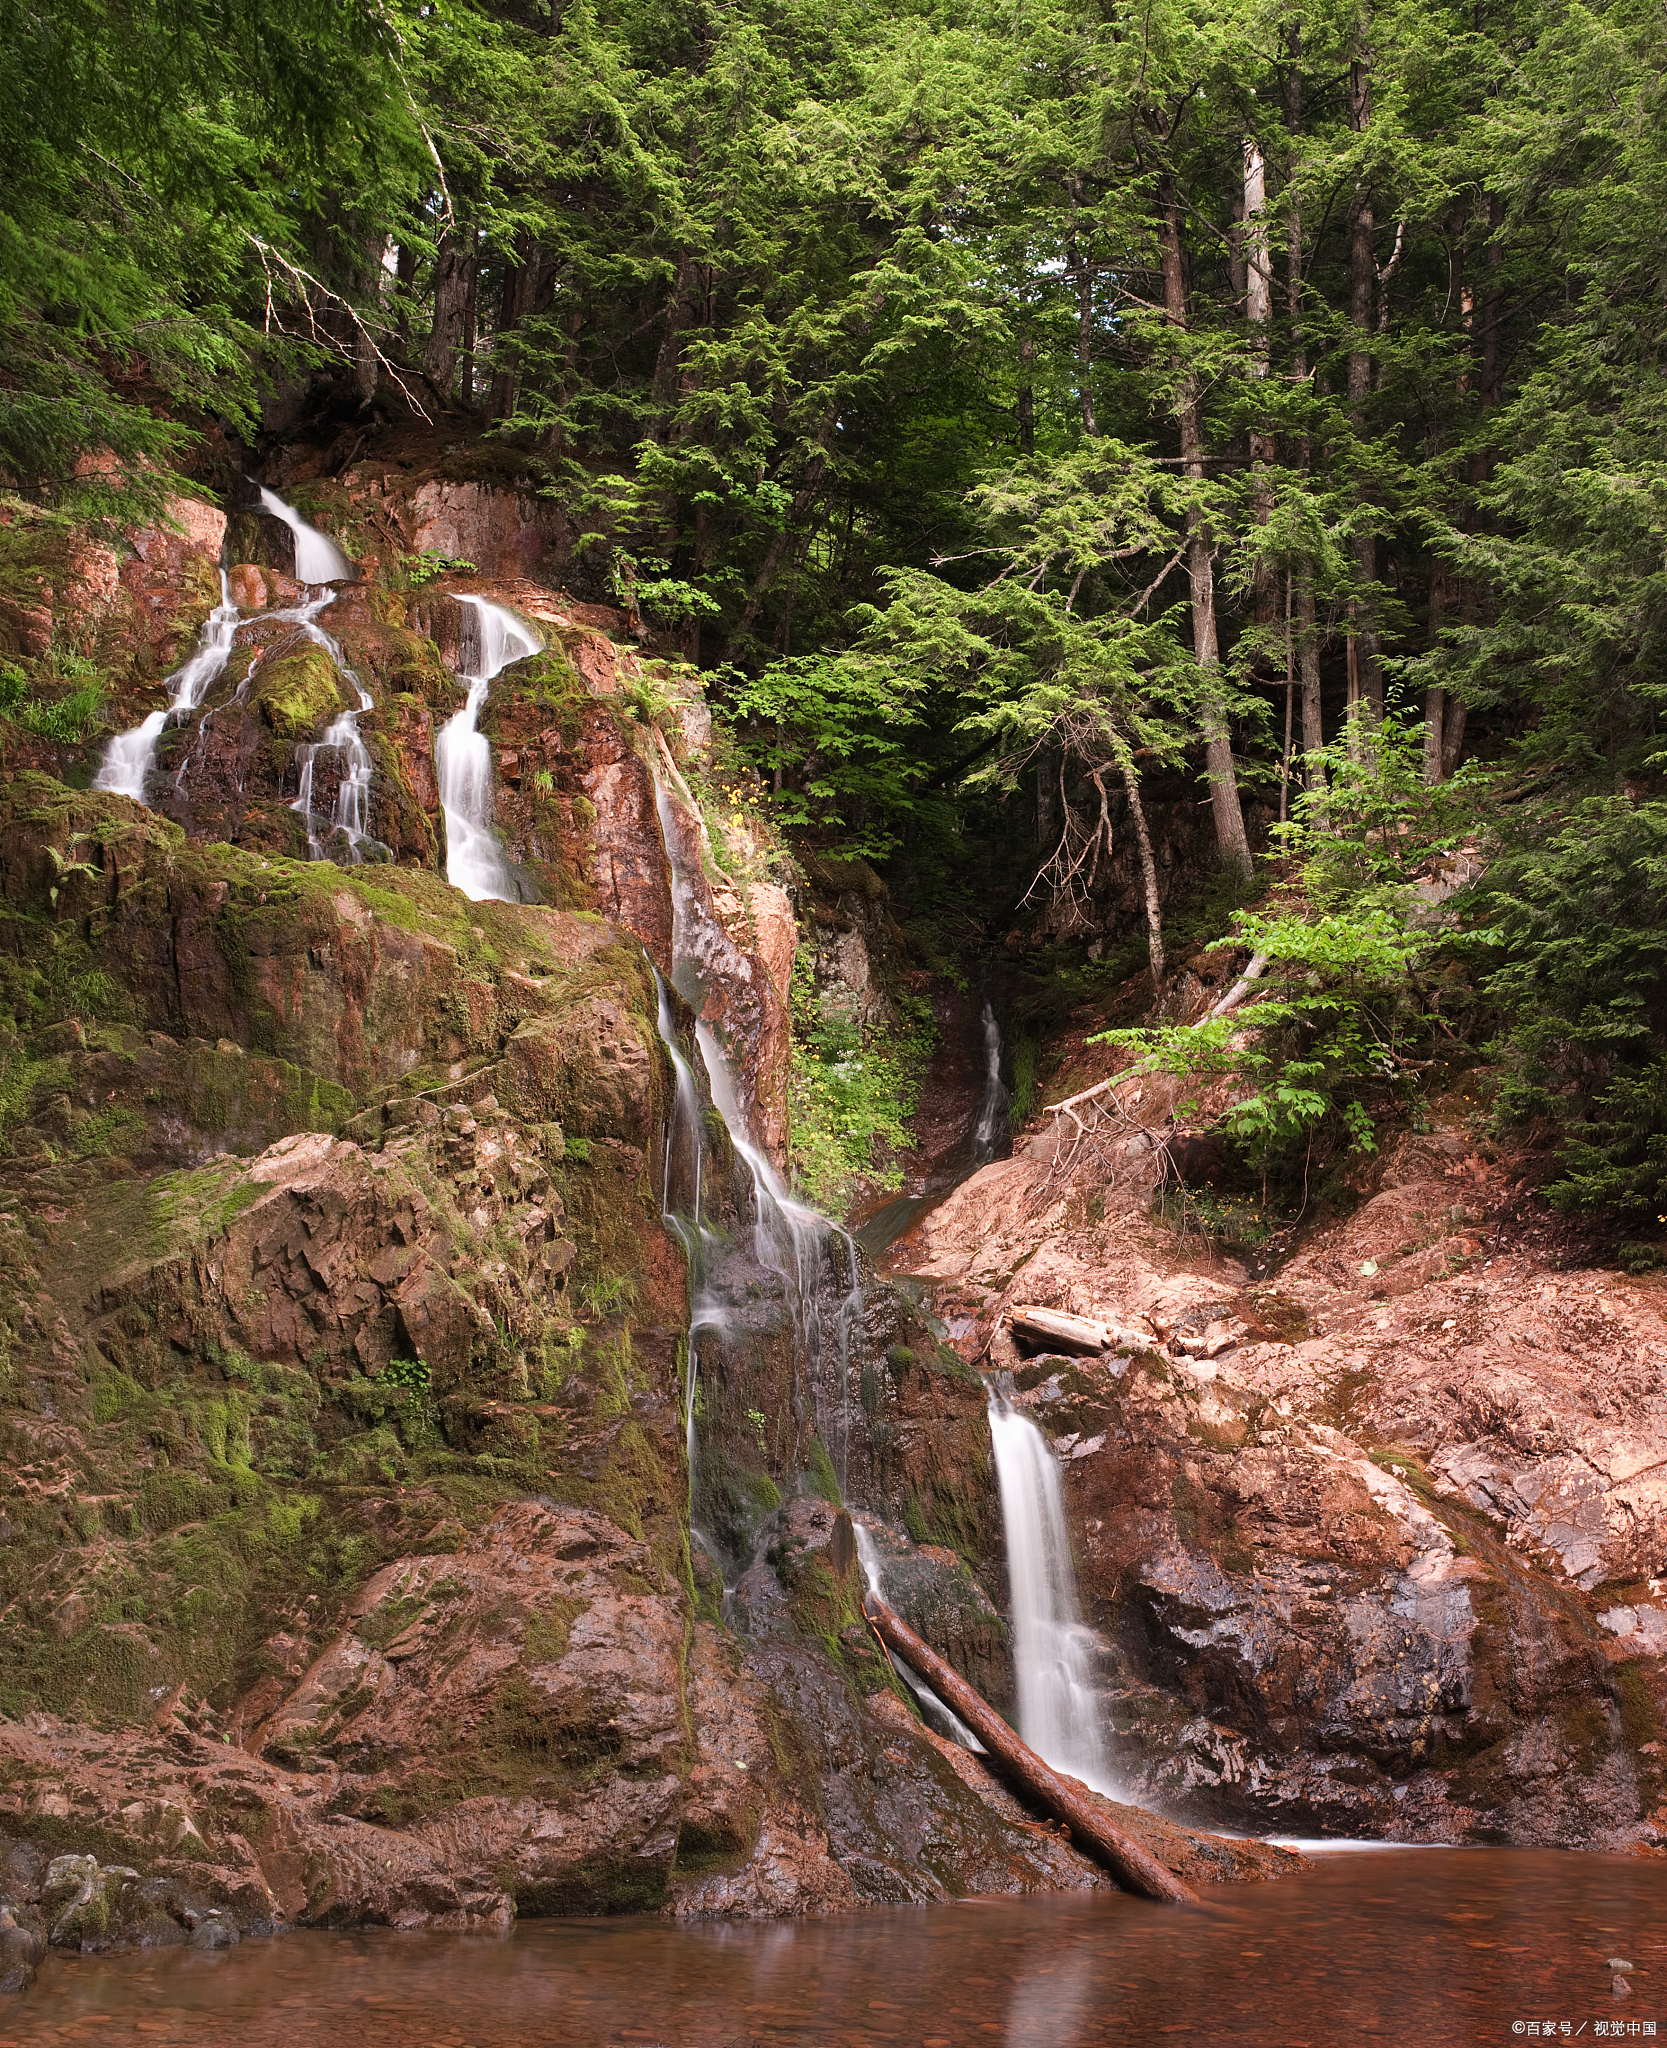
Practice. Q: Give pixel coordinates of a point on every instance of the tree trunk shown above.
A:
(680, 317)
(454, 265)
(1258, 310)
(1365, 670)
(523, 287)
(1435, 698)
(471, 308)
(1302, 577)
(1078, 265)
(1094, 1831)
(1148, 875)
(1027, 395)
(405, 275)
(1231, 840)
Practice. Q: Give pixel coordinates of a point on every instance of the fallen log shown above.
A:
(1051, 1329)
(1093, 1831)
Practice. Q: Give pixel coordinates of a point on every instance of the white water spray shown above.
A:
(130, 756)
(1052, 1651)
(317, 558)
(474, 860)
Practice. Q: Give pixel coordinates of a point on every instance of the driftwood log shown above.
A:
(1092, 1829)
(1050, 1329)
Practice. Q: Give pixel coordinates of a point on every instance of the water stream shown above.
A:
(350, 814)
(131, 755)
(1052, 1650)
(493, 638)
(814, 1262)
(986, 1135)
(317, 558)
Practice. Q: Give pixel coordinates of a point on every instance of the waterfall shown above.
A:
(474, 860)
(990, 1125)
(351, 813)
(1052, 1650)
(806, 1253)
(317, 558)
(685, 1128)
(944, 1719)
(130, 755)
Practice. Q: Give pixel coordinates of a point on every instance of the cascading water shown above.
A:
(943, 1718)
(808, 1256)
(463, 756)
(130, 756)
(685, 1133)
(317, 558)
(985, 1136)
(351, 813)
(1052, 1651)
(990, 1126)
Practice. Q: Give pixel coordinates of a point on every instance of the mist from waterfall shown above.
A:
(130, 756)
(317, 558)
(475, 861)
(1052, 1650)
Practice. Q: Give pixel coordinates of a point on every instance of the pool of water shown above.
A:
(1465, 1946)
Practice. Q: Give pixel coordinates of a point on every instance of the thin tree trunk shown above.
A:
(1307, 639)
(522, 289)
(1078, 265)
(680, 316)
(471, 307)
(803, 499)
(1258, 308)
(1365, 670)
(1481, 467)
(1290, 693)
(1148, 875)
(1435, 698)
(1027, 395)
(1231, 841)
(405, 276)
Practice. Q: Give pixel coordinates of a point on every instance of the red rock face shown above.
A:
(1346, 1535)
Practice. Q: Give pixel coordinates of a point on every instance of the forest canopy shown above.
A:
(1115, 409)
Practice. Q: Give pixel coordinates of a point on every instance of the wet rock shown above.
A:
(22, 1946)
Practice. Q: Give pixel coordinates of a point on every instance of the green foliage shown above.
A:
(1576, 939)
(850, 1095)
(413, 571)
(64, 720)
(1334, 1026)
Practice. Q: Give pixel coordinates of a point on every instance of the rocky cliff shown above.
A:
(1372, 1533)
(346, 1567)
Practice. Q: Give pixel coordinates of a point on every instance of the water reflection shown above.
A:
(1404, 1947)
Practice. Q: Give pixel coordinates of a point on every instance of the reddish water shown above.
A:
(1425, 1948)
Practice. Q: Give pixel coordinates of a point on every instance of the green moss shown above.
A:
(299, 694)
(824, 1481)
